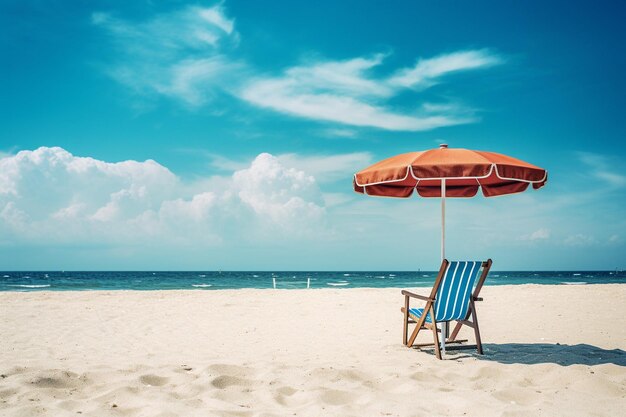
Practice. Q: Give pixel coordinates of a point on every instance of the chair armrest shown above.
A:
(477, 298)
(419, 297)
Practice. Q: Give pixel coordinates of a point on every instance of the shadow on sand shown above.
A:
(565, 355)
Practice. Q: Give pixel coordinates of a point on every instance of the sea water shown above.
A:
(217, 280)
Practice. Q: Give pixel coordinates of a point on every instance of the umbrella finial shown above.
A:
(443, 146)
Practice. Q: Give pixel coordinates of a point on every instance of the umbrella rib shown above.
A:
(545, 175)
(453, 178)
(491, 169)
(383, 182)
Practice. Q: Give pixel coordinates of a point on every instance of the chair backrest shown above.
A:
(455, 289)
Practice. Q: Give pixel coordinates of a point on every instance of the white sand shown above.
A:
(307, 353)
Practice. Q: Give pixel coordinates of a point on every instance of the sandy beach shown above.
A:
(550, 351)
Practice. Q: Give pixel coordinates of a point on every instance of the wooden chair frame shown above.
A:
(429, 308)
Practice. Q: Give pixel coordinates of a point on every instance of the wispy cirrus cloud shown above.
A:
(324, 168)
(181, 54)
(338, 132)
(427, 72)
(346, 92)
(190, 55)
(539, 234)
(602, 167)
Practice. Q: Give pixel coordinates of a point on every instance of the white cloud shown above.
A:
(189, 55)
(178, 54)
(324, 168)
(270, 208)
(49, 196)
(603, 167)
(328, 167)
(223, 163)
(339, 77)
(217, 17)
(539, 234)
(615, 239)
(580, 239)
(287, 196)
(342, 133)
(337, 199)
(283, 96)
(427, 71)
(344, 92)
(192, 80)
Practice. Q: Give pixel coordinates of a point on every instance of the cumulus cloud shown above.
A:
(190, 55)
(287, 196)
(51, 196)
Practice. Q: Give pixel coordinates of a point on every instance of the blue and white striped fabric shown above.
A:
(453, 296)
(417, 312)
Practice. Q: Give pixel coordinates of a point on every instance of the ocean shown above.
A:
(218, 280)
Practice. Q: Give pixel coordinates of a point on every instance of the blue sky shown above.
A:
(224, 135)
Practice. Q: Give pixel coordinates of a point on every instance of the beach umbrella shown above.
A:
(448, 172)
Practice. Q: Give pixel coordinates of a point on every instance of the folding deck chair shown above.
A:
(450, 299)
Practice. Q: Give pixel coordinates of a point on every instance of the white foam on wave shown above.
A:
(392, 275)
(576, 275)
(338, 284)
(29, 285)
(255, 276)
(202, 276)
(201, 285)
(6, 276)
(346, 275)
(573, 283)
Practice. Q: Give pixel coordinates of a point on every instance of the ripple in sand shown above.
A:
(225, 381)
(55, 379)
(153, 380)
(288, 391)
(337, 397)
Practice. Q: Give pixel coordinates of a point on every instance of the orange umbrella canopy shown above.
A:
(463, 170)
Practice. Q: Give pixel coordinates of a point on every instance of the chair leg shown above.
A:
(435, 334)
(413, 335)
(436, 339)
(405, 327)
(418, 325)
(479, 345)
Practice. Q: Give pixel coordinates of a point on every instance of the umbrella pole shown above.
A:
(443, 219)
(444, 325)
